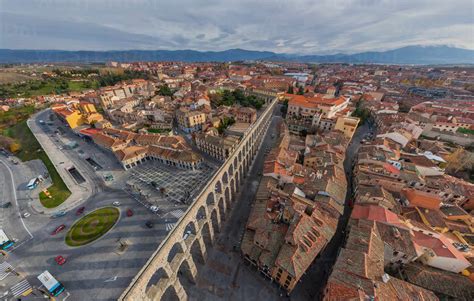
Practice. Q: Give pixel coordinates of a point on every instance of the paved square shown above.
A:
(160, 182)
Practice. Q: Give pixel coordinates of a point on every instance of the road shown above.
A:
(224, 277)
(13, 179)
(98, 271)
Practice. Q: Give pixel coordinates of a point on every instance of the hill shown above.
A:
(428, 55)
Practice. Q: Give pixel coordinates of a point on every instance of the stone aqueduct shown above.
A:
(194, 233)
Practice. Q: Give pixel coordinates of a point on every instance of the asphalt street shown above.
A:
(98, 271)
(224, 277)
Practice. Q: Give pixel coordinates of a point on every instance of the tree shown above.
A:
(284, 108)
(15, 147)
(290, 90)
(164, 90)
(225, 123)
(301, 90)
(228, 98)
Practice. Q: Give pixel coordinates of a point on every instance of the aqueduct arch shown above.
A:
(173, 264)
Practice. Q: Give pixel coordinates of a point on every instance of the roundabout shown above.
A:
(92, 226)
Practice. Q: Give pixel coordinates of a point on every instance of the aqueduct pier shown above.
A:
(160, 278)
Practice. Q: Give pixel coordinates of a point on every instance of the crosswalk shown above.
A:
(169, 227)
(5, 269)
(177, 213)
(21, 288)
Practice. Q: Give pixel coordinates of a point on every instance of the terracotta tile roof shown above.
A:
(376, 195)
(391, 169)
(357, 273)
(398, 238)
(89, 131)
(313, 102)
(375, 213)
(130, 152)
(287, 236)
(431, 218)
(421, 199)
(106, 141)
(442, 282)
(306, 237)
(124, 135)
(64, 112)
(440, 245)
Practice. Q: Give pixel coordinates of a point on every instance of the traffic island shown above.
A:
(92, 226)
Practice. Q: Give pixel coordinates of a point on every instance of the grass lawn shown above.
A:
(15, 115)
(465, 131)
(30, 150)
(92, 226)
(158, 131)
(45, 87)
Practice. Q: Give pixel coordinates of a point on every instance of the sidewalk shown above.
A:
(79, 192)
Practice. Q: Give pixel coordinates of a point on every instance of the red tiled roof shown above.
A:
(440, 245)
(89, 131)
(418, 198)
(392, 169)
(318, 99)
(375, 213)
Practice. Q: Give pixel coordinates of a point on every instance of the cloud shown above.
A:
(297, 26)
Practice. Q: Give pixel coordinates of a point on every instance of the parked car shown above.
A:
(116, 203)
(6, 205)
(59, 214)
(60, 260)
(58, 229)
(26, 214)
(129, 212)
(80, 210)
(149, 224)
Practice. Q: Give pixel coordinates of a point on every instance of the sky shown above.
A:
(283, 26)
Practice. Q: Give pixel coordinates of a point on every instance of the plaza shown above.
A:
(158, 182)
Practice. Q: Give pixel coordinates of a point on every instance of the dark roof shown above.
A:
(439, 281)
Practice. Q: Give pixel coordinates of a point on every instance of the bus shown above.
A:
(33, 183)
(5, 242)
(54, 287)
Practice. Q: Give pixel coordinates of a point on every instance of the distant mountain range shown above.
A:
(427, 55)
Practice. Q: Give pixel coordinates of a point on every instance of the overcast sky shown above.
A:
(284, 26)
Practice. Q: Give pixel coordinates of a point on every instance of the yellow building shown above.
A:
(93, 118)
(190, 121)
(77, 115)
(87, 108)
(72, 117)
(347, 125)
